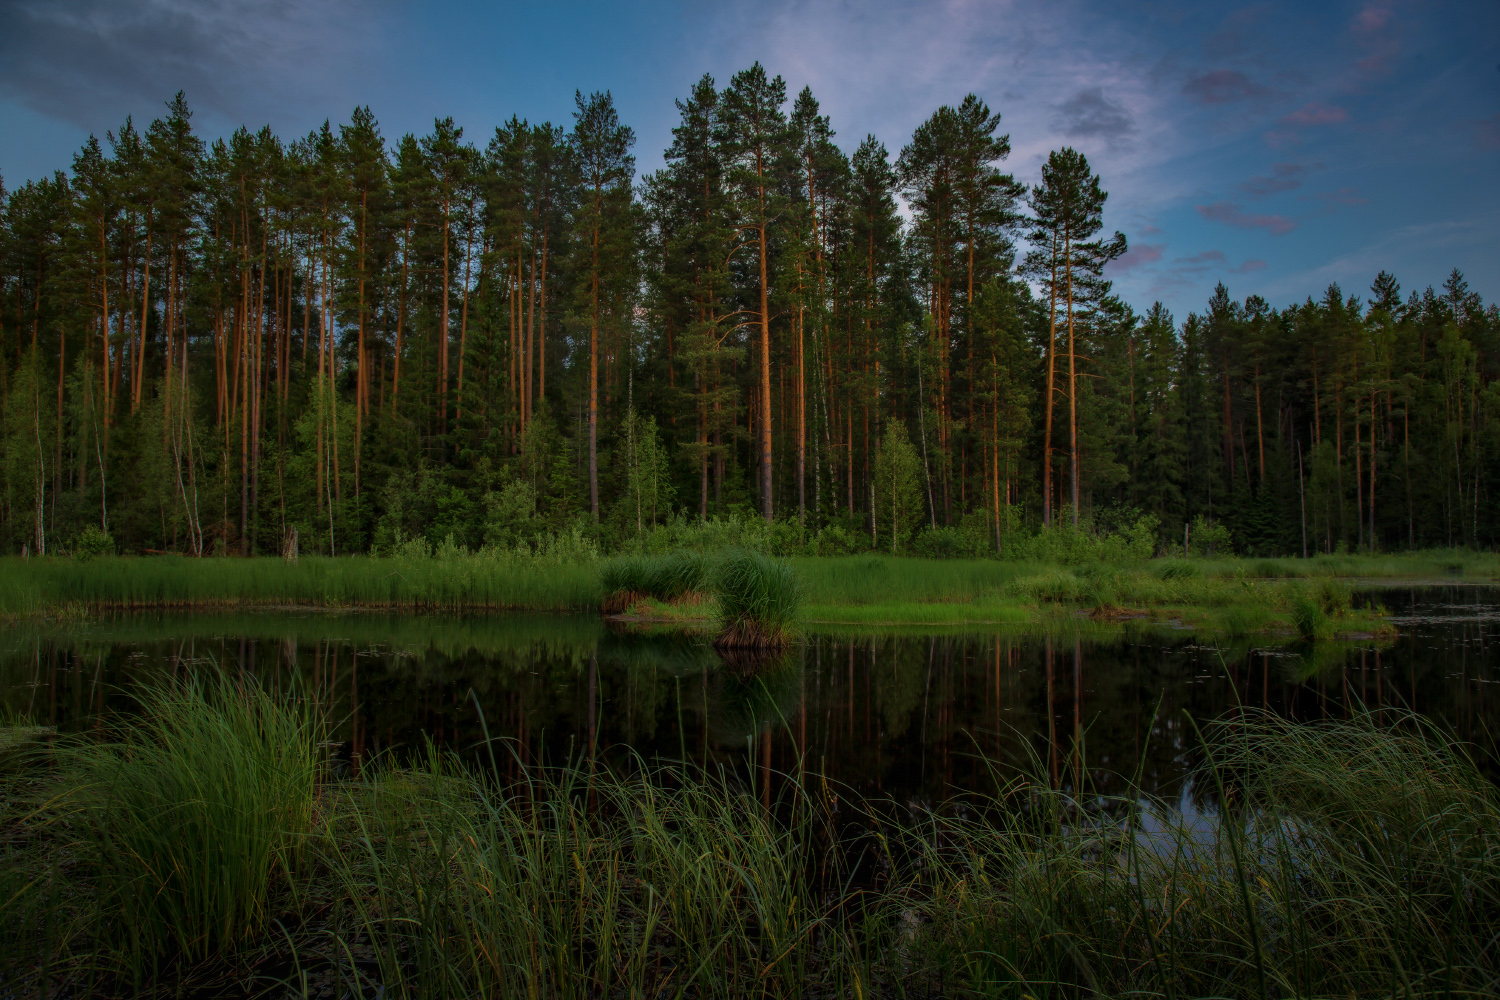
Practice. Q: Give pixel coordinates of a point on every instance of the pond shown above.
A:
(914, 715)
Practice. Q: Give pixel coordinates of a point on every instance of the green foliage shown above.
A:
(1209, 538)
(510, 515)
(93, 541)
(758, 600)
(649, 491)
(900, 503)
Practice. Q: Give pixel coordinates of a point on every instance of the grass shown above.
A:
(1343, 859)
(757, 601)
(629, 579)
(1209, 595)
(482, 580)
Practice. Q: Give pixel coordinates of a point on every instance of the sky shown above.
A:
(1277, 147)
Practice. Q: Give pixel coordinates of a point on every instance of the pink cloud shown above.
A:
(1221, 86)
(1138, 255)
(1246, 267)
(1283, 177)
(1200, 262)
(1231, 215)
(1371, 19)
(1487, 132)
(1342, 196)
(1316, 113)
(1370, 27)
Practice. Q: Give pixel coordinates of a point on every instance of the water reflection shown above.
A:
(908, 715)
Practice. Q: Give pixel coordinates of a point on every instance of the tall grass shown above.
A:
(485, 579)
(628, 579)
(194, 818)
(1350, 861)
(1344, 859)
(758, 601)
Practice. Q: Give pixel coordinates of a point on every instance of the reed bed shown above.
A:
(486, 579)
(630, 579)
(209, 845)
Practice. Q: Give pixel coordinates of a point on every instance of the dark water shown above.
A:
(908, 714)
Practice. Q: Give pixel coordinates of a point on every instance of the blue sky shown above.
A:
(1275, 146)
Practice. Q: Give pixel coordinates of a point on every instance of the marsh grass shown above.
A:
(758, 601)
(484, 579)
(629, 579)
(196, 817)
(1341, 859)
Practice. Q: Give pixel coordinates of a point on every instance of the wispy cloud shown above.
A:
(69, 58)
(1138, 255)
(1231, 214)
(1221, 86)
(1316, 113)
(1089, 114)
(1342, 196)
(1283, 177)
(1487, 132)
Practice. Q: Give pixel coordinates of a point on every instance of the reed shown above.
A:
(630, 579)
(758, 601)
(484, 579)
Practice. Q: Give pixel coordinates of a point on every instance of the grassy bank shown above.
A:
(472, 581)
(1215, 595)
(208, 847)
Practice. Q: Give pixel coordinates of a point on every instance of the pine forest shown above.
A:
(352, 342)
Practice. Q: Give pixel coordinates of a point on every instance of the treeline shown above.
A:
(363, 344)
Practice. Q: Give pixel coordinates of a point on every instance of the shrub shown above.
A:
(93, 541)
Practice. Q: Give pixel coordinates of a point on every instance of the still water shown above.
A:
(916, 715)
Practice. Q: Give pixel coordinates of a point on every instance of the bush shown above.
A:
(93, 541)
(943, 543)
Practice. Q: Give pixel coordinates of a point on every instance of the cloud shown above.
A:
(1372, 28)
(1231, 215)
(1283, 177)
(1203, 260)
(71, 58)
(1316, 113)
(1371, 19)
(1089, 114)
(1342, 196)
(1222, 86)
(1487, 132)
(1138, 255)
(1249, 266)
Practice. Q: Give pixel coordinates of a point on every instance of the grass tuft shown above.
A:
(195, 817)
(759, 600)
(630, 579)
